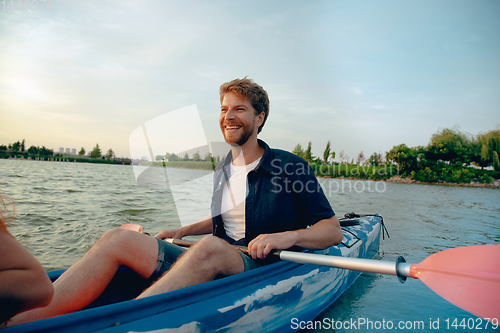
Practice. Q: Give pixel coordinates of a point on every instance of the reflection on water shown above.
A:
(62, 208)
(347, 305)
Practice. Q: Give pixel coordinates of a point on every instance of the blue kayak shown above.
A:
(271, 298)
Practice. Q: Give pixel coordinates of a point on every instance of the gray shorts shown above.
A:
(168, 253)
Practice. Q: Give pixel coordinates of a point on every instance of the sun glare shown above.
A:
(23, 89)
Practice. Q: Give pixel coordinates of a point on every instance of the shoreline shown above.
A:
(400, 180)
(408, 180)
(70, 159)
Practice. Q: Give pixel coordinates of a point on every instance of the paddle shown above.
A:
(468, 277)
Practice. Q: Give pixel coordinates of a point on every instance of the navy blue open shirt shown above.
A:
(283, 194)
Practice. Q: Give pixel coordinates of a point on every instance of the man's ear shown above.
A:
(261, 118)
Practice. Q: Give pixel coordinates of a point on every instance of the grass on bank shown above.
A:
(200, 165)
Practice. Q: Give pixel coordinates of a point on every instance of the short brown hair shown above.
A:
(248, 89)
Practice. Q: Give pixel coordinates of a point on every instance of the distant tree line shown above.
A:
(451, 156)
(171, 157)
(18, 148)
(96, 153)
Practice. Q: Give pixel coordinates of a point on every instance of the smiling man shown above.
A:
(250, 206)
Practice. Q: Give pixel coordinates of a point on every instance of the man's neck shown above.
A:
(247, 153)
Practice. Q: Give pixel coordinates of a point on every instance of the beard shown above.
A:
(239, 140)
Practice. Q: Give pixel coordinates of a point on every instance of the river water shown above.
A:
(62, 208)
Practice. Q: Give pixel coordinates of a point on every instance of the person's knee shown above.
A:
(218, 256)
(112, 235)
(210, 248)
(113, 240)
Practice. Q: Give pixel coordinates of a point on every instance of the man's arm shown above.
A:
(202, 227)
(321, 235)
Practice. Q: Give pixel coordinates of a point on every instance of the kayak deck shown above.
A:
(261, 300)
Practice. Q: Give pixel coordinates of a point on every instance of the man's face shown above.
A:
(237, 119)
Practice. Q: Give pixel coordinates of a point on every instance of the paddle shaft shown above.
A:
(399, 268)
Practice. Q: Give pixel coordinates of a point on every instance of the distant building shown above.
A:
(67, 151)
(73, 151)
(61, 150)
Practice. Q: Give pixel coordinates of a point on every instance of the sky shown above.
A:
(365, 75)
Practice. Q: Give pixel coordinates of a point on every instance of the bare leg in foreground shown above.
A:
(83, 282)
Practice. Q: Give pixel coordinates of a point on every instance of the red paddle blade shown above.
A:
(468, 277)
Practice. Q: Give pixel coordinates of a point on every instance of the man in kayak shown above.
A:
(263, 198)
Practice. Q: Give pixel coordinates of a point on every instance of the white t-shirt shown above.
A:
(233, 200)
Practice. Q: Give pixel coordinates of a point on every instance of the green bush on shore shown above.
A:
(450, 157)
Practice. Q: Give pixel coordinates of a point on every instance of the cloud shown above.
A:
(356, 91)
